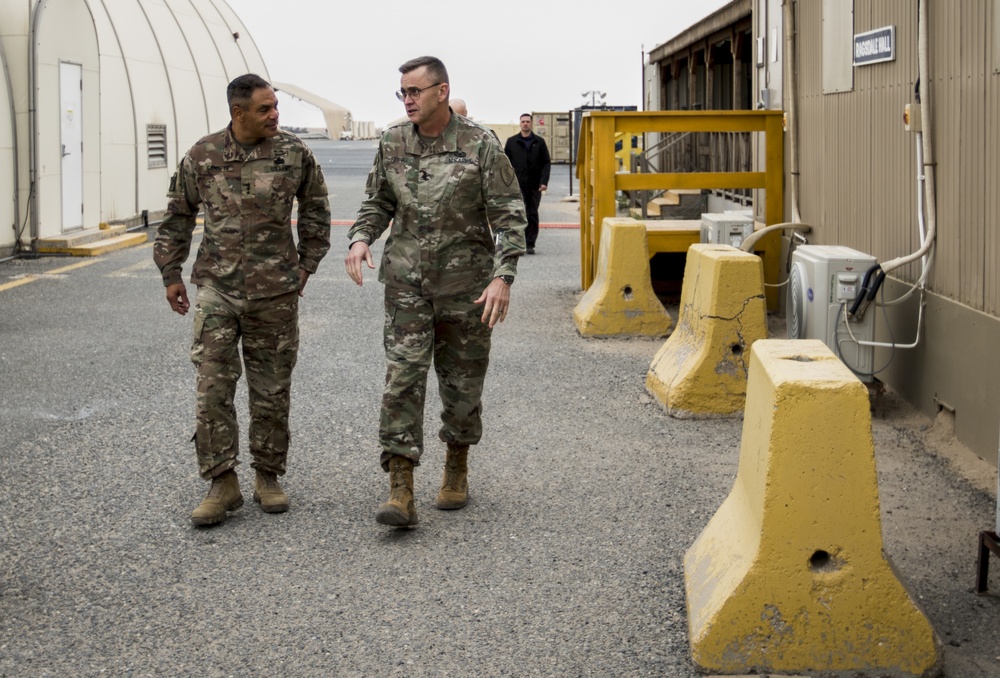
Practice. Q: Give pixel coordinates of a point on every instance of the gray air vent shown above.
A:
(156, 145)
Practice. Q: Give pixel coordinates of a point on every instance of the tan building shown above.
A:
(706, 67)
(845, 72)
(859, 183)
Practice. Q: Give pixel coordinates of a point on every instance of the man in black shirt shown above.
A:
(530, 157)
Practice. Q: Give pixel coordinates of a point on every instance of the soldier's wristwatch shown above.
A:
(509, 279)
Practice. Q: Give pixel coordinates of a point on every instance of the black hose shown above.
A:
(879, 279)
(864, 291)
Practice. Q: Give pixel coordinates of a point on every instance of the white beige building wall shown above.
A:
(62, 38)
(144, 62)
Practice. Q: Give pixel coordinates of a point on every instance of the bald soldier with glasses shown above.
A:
(448, 192)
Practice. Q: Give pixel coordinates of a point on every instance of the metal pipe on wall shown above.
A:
(13, 136)
(927, 127)
(791, 107)
(925, 188)
(33, 117)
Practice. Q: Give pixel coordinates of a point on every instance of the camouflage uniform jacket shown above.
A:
(248, 251)
(442, 196)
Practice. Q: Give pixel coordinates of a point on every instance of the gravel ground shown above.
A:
(567, 561)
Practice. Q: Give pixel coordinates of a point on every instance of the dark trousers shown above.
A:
(531, 202)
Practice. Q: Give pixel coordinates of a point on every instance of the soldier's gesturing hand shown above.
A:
(177, 298)
(359, 252)
(495, 299)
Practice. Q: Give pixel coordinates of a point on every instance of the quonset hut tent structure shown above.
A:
(99, 99)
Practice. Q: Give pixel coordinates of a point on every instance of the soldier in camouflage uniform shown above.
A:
(442, 181)
(250, 275)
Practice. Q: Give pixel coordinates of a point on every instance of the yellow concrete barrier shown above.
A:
(701, 370)
(621, 301)
(790, 575)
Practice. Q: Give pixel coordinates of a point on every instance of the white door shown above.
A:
(71, 109)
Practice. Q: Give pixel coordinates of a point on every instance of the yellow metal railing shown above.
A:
(600, 180)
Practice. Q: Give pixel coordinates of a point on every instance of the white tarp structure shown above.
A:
(9, 195)
(336, 117)
(99, 98)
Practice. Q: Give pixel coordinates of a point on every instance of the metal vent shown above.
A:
(156, 145)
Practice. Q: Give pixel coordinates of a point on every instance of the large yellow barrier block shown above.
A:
(621, 301)
(701, 370)
(790, 576)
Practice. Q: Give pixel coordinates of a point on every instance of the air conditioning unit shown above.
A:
(726, 229)
(823, 282)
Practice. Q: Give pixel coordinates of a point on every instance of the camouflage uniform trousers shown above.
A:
(417, 330)
(269, 329)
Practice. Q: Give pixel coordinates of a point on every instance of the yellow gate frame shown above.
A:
(596, 170)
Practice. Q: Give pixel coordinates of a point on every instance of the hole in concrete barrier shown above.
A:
(627, 292)
(737, 350)
(800, 358)
(822, 561)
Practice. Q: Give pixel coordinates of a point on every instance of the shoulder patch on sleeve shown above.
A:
(173, 183)
(507, 174)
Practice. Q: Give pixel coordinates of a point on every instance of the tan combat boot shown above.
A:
(454, 492)
(399, 510)
(224, 495)
(268, 493)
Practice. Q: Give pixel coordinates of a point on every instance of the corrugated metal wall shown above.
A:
(890, 87)
(858, 187)
(991, 241)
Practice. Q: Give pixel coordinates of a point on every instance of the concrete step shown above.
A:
(95, 247)
(77, 238)
(676, 196)
(676, 203)
(652, 212)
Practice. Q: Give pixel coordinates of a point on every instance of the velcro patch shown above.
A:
(507, 174)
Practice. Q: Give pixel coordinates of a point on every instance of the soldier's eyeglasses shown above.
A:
(413, 92)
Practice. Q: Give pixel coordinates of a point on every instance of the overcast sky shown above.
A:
(503, 58)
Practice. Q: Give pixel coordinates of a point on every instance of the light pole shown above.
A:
(596, 97)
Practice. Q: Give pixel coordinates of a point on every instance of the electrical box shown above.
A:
(823, 283)
(729, 228)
